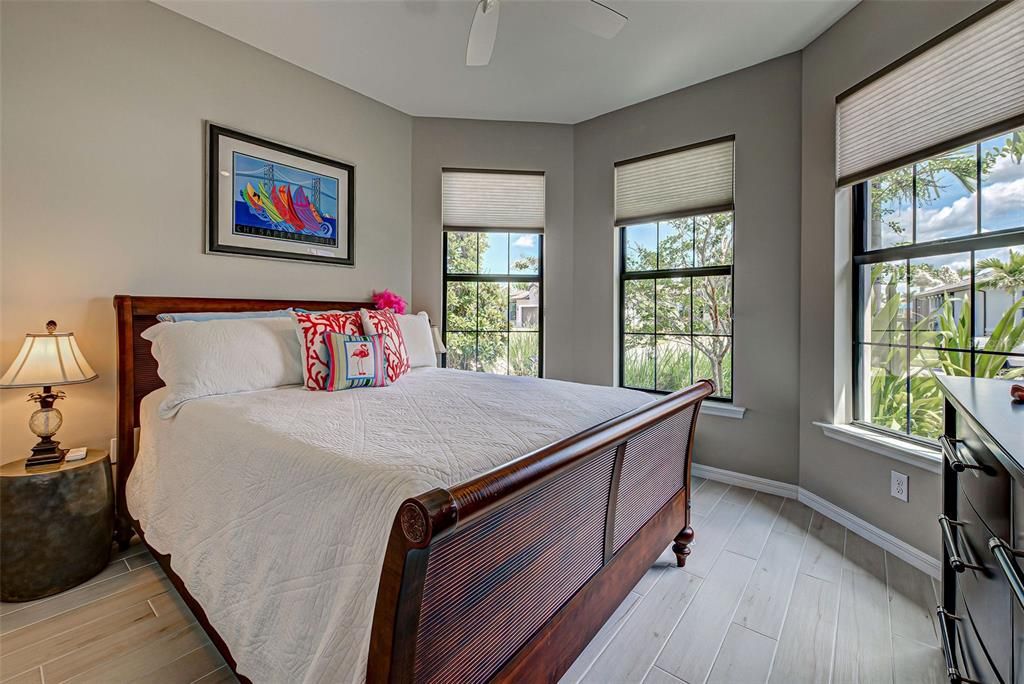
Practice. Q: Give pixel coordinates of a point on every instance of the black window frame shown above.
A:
(862, 256)
(626, 275)
(493, 278)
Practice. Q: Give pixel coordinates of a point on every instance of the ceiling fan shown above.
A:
(589, 15)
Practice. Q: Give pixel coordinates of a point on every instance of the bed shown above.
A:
(453, 527)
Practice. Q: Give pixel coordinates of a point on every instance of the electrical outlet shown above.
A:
(899, 486)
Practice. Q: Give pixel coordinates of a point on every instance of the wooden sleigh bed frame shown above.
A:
(506, 577)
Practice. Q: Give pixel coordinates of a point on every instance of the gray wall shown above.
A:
(761, 106)
(871, 36)
(102, 117)
(464, 143)
(101, 127)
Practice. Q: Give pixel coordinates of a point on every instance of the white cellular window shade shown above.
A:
(954, 90)
(689, 180)
(490, 199)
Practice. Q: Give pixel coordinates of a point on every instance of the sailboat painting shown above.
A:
(282, 202)
(270, 200)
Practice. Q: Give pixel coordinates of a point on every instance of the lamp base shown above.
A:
(46, 452)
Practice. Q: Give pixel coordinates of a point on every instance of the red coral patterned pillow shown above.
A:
(383, 322)
(311, 327)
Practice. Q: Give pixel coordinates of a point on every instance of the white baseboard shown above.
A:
(914, 556)
(911, 554)
(759, 484)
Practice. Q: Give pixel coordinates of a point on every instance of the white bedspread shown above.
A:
(276, 505)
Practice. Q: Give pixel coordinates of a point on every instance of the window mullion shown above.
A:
(913, 205)
(476, 337)
(974, 311)
(692, 364)
(655, 331)
(977, 188)
(906, 335)
(977, 231)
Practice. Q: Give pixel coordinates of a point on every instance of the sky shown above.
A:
(954, 212)
(505, 248)
(250, 170)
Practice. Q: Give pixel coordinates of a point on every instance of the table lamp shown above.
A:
(45, 360)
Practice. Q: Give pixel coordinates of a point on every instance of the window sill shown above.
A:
(723, 409)
(893, 447)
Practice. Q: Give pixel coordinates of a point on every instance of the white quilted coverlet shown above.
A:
(276, 505)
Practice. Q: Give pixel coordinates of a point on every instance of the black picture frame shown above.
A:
(216, 136)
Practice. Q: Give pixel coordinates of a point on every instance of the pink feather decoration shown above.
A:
(386, 299)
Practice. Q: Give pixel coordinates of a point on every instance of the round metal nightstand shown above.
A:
(58, 525)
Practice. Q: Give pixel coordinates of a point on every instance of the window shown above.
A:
(676, 303)
(493, 271)
(675, 220)
(938, 280)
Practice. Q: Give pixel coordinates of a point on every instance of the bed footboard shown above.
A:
(508, 576)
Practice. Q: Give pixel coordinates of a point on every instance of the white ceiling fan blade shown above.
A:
(598, 18)
(482, 33)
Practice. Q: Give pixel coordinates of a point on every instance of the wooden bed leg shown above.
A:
(681, 545)
(122, 533)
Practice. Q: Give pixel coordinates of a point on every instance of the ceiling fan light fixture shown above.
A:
(482, 33)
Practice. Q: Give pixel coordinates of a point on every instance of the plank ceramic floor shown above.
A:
(127, 624)
(772, 592)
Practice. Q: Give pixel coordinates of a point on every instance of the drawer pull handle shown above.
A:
(952, 671)
(955, 561)
(1004, 556)
(949, 450)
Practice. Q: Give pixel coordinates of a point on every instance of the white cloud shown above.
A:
(955, 219)
(1001, 201)
(1002, 205)
(1004, 170)
(525, 241)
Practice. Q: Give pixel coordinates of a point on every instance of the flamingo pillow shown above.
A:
(311, 328)
(355, 361)
(383, 322)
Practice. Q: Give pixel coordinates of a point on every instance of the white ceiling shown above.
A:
(411, 54)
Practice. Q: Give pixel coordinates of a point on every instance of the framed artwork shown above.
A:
(269, 200)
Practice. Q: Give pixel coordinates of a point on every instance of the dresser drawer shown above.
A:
(987, 485)
(983, 587)
(970, 657)
(1018, 611)
(1018, 644)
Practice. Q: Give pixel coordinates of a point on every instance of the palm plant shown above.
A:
(1005, 275)
(904, 368)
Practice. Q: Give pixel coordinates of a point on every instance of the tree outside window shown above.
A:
(493, 292)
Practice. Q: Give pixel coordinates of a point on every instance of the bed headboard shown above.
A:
(136, 367)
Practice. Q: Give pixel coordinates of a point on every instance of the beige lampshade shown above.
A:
(439, 347)
(48, 359)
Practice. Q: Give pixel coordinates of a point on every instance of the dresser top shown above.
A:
(987, 402)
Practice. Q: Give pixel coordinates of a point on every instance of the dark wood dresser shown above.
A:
(982, 613)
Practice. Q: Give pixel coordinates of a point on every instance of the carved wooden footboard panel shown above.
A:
(508, 576)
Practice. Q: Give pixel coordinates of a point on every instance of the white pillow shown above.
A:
(419, 341)
(201, 359)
